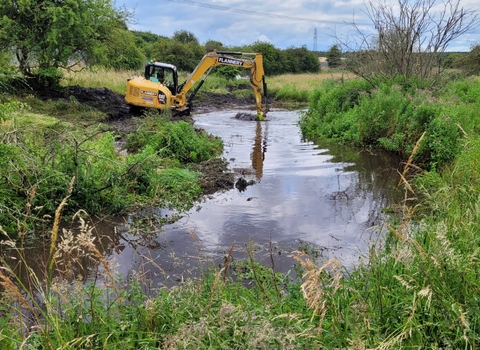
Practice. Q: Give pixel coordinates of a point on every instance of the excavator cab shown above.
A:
(162, 73)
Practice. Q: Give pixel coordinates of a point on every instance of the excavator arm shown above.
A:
(215, 58)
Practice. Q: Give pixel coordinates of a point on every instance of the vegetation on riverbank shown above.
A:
(422, 289)
(419, 288)
(41, 154)
(394, 118)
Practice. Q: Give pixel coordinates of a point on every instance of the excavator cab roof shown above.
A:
(163, 65)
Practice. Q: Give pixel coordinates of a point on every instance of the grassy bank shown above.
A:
(422, 290)
(418, 290)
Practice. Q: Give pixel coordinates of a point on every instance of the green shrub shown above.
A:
(39, 161)
(395, 118)
(176, 140)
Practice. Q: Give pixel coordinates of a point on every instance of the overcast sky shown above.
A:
(283, 23)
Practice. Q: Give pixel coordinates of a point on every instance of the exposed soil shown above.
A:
(118, 115)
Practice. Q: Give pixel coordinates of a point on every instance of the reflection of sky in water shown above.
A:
(300, 193)
(329, 197)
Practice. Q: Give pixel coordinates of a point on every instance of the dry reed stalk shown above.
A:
(54, 235)
(151, 260)
(272, 265)
(316, 282)
(22, 230)
(392, 342)
(12, 290)
(214, 287)
(410, 159)
(463, 131)
(401, 232)
(250, 252)
(99, 256)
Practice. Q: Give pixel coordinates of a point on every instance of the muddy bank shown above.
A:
(115, 108)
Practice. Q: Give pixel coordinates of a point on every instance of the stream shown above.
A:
(301, 195)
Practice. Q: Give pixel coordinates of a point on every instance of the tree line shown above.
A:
(39, 38)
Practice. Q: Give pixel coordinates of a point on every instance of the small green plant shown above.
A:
(8, 108)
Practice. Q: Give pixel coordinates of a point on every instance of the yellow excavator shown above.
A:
(159, 87)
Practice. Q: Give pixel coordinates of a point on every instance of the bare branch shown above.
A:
(409, 38)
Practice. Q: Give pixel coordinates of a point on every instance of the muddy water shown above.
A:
(301, 195)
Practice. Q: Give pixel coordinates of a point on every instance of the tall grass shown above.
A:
(420, 289)
(99, 77)
(393, 118)
(57, 309)
(417, 290)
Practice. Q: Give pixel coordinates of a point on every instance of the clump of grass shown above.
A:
(290, 93)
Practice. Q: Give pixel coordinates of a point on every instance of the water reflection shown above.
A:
(259, 149)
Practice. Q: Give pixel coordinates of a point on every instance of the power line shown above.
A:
(249, 12)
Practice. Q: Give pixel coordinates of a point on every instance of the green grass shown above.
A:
(394, 118)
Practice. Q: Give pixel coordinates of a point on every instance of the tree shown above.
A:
(185, 56)
(334, 56)
(300, 60)
(49, 34)
(273, 58)
(185, 37)
(145, 41)
(211, 45)
(409, 40)
(450, 61)
(469, 63)
(120, 51)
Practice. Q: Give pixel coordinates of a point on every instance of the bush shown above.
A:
(39, 161)
(176, 140)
